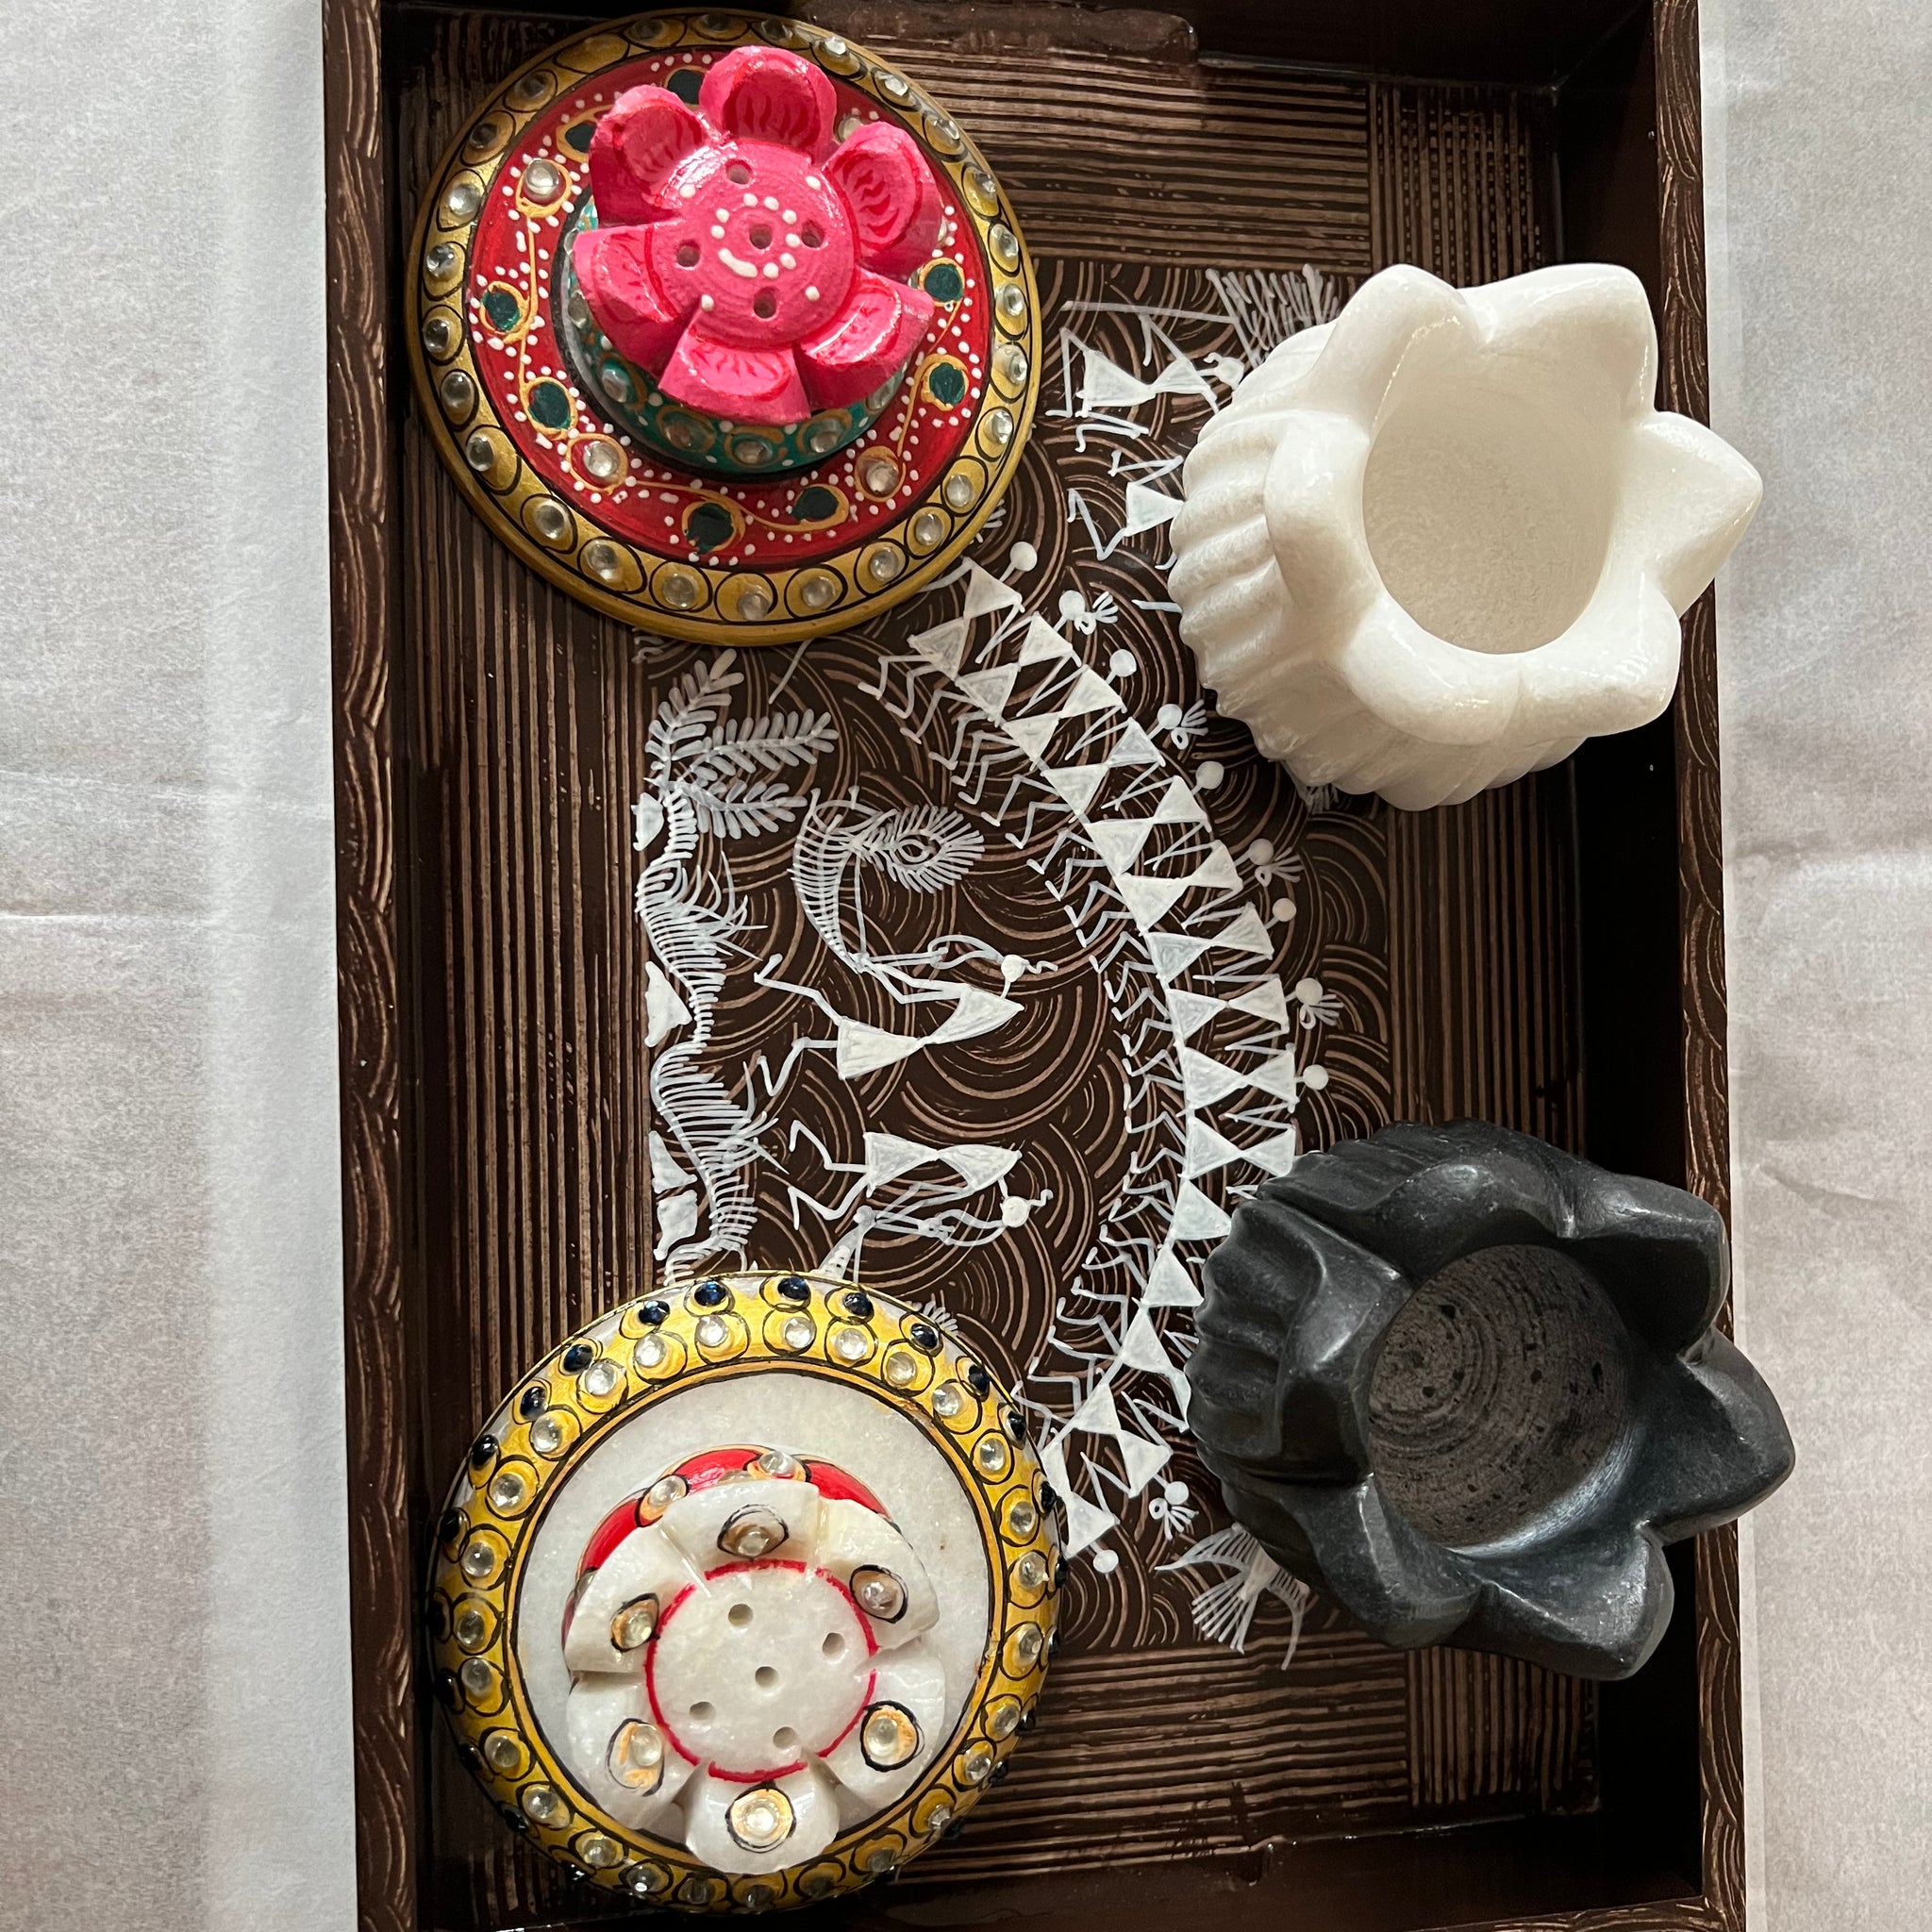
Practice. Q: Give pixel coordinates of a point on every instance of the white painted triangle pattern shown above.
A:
(1169, 1284)
(1173, 951)
(1208, 1150)
(1196, 1218)
(1244, 933)
(1192, 1011)
(1119, 841)
(1206, 1080)
(1268, 1001)
(1144, 1460)
(985, 593)
(990, 690)
(1043, 645)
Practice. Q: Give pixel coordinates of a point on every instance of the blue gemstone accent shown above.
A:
(652, 1313)
(977, 1380)
(578, 1357)
(483, 1453)
(709, 1294)
(795, 1289)
(858, 1303)
(530, 1403)
(922, 1335)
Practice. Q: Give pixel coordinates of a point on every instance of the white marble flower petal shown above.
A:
(768, 1517)
(616, 1754)
(873, 1559)
(645, 1565)
(767, 1826)
(898, 1731)
(1437, 543)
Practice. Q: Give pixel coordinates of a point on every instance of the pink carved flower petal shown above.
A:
(614, 267)
(895, 202)
(645, 135)
(869, 340)
(764, 93)
(745, 384)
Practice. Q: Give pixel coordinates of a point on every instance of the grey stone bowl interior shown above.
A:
(1469, 1386)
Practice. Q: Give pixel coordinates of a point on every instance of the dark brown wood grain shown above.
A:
(377, 1330)
(495, 1097)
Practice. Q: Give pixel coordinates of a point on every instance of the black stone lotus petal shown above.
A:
(1469, 1386)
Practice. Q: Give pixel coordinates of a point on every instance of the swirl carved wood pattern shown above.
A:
(496, 1083)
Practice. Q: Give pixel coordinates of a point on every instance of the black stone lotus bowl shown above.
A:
(1469, 1387)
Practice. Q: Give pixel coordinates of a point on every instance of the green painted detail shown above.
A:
(685, 84)
(708, 526)
(502, 308)
(943, 281)
(549, 405)
(579, 136)
(947, 383)
(815, 504)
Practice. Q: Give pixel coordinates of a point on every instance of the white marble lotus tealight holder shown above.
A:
(1439, 542)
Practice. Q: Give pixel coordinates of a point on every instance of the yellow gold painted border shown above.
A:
(567, 546)
(621, 1365)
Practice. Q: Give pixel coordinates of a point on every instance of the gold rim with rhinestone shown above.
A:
(570, 547)
(476, 1569)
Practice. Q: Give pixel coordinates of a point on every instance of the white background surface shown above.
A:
(177, 1744)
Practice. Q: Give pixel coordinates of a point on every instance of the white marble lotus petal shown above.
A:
(1439, 542)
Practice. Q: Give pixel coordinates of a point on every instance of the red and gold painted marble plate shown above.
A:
(694, 552)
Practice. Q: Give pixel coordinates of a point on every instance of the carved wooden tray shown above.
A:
(971, 951)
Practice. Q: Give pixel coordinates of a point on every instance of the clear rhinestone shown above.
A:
(822, 433)
(646, 1879)
(948, 1399)
(1012, 301)
(637, 1755)
(602, 1377)
(882, 566)
(815, 1884)
(976, 1767)
(479, 1559)
(544, 1805)
(851, 1344)
(754, 603)
(479, 1679)
(775, 1463)
(473, 1628)
(928, 526)
(602, 460)
(752, 452)
(440, 260)
(577, 309)
(503, 1751)
(759, 1898)
(881, 396)
(546, 1434)
(665, 1492)
(939, 1818)
(878, 1593)
(1031, 1570)
(463, 200)
(695, 1891)
(835, 47)
(635, 1624)
(999, 426)
(752, 1533)
(1027, 1644)
(713, 1332)
(456, 392)
(605, 561)
(614, 381)
(798, 1332)
(530, 90)
(880, 475)
(893, 84)
(543, 180)
(959, 492)
(680, 590)
(1013, 363)
(1005, 245)
(902, 1369)
(479, 452)
(760, 1819)
(550, 520)
(600, 1853)
(990, 1455)
(440, 333)
(1004, 1717)
(650, 1352)
(1022, 1519)
(818, 591)
(879, 1859)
